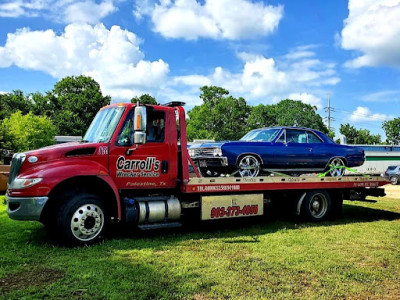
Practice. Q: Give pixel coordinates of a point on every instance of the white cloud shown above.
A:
(373, 28)
(66, 11)
(364, 114)
(112, 57)
(222, 19)
(88, 11)
(265, 79)
(390, 96)
(307, 98)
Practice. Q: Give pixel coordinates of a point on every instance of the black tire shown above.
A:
(82, 220)
(394, 180)
(316, 206)
(248, 166)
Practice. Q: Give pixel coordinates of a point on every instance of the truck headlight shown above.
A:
(23, 183)
(217, 152)
(191, 152)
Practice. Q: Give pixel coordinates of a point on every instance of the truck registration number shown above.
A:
(231, 206)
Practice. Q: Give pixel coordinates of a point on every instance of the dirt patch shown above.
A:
(38, 277)
(392, 191)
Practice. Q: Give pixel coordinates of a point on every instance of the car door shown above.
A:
(297, 153)
(320, 152)
(142, 165)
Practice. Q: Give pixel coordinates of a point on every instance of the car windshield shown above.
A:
(103, 125)
(261, 135)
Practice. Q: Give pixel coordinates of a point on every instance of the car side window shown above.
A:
(313, 139)
(296, 136)
(281, 139)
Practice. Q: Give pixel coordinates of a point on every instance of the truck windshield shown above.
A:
(103, 125)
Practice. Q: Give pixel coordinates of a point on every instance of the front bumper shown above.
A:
(210, 161)
(25, 208)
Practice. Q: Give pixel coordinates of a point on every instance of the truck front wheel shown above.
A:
(82, 220)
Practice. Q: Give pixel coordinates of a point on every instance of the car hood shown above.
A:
(224, 143)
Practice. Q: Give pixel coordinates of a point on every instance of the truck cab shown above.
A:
(127, 148)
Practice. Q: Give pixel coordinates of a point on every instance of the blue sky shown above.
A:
(264, 51)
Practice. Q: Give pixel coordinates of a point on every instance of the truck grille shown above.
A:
(16, 164)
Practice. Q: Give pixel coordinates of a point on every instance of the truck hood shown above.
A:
(66, 150)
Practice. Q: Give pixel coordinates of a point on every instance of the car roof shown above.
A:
(286, 127)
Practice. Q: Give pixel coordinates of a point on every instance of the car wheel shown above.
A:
(82, 220)
(316, 206)
(394, 180)
(248, 166)
(338, 167)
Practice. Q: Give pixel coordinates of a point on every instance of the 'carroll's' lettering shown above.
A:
(147, 165)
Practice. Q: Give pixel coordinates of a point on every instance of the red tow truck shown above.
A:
(133, 166)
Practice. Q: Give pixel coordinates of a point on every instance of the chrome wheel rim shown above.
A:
(249, 166)
(87, 222)
(394, 180)
(318, 205)
(338, 171)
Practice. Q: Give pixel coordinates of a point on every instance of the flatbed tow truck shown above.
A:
(133, 167)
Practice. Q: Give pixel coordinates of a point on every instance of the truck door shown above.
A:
(142, 166)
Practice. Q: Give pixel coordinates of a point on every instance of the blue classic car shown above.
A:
(291, 150)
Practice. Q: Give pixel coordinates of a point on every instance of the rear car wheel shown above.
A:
(248, 166)
(316, 206)
(82, 220)
(336, 167)
(394, 180)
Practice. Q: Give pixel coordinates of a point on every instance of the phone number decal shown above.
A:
(233, 211)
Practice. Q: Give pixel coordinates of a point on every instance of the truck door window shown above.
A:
(155, 127)
(125, 137)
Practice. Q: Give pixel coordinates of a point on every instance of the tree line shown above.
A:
(29, 121)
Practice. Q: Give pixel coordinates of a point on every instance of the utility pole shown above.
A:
(329, 109)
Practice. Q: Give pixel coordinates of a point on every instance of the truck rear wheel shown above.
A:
(82, 220)
(316, 206)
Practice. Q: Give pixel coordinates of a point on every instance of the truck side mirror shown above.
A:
(139, 125)
(140, 118)
(139, 137)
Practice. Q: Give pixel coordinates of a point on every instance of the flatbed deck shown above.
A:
(269, 183)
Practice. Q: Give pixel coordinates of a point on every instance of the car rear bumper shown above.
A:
(25, 208)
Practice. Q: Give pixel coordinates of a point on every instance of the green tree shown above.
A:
(350, 132)
(296, 113)
(41, 104)
(145, 99)
(262, 116)
(27, 132)
(13, 102)
(359, 136)
(220, 116)
(392, 131)
(74, 102)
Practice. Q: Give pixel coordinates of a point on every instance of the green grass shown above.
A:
(355, 257)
